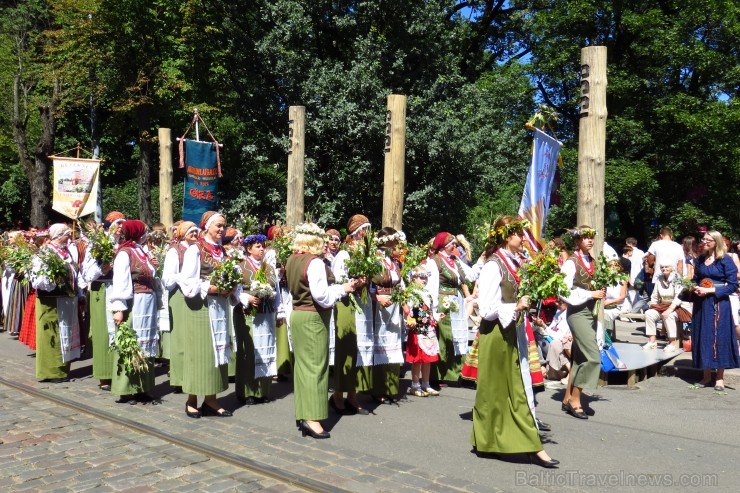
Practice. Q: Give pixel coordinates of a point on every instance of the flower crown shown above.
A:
(251, 239)
(389, 238)
(310, 229)
(498, 235)
(157, 236)
(583, 232)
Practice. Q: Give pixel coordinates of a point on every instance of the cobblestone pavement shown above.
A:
(49, 447)
(660, 432)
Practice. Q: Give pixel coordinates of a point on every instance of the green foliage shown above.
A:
(131, 358)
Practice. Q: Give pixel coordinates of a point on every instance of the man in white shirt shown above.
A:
(667, 252)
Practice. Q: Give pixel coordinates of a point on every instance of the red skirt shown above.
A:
(414, 353)
(28, 324)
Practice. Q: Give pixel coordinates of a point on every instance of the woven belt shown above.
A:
(384, 291)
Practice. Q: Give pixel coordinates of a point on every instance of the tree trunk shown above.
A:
(145, 160)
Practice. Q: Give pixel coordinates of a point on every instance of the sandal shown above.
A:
(670, 348)
(417, 392)
(650, 345)
(431, 391)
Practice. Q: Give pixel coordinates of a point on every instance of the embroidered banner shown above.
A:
(75, 187)
(201, 180)
(536, 197)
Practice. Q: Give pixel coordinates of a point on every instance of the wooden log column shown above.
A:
(296, 154)
(165, 178)
(395, 160)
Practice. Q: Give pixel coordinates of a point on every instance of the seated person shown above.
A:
(556, 341)
(664, 303)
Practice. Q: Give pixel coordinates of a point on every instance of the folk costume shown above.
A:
(132, 292)
(447, 275)
(205, 322)
(713, 336)
(282, 330)
(579, 271)
(503, 421)
(313, 299)
(173, 261)
(254, 328)
(57, 325)
(422, 345)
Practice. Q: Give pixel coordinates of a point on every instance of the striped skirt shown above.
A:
(103, 357)
(310, 332)
(200, 375)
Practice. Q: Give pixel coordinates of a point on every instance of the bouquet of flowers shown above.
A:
(606, 275)
(159, 252)
(364, 261)
(131, 358)
(261, 288)
(414, 255)
(684, 283)
(19, 257)
(283, 245)
(448, 304)
(101, 244)
(226, 275)
(237, 253)
(410, 295)
(541, 278)
(55, 269)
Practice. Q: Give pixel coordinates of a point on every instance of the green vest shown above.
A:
(296, 272)
(449, 282)
(582, 279)
(509, 286)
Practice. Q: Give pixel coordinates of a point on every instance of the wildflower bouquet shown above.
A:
(226, 275)
(606, 275)
(101, 244)
(55, 269)
(261, 288)
(159, 252)
(410, 295)
(541, 278)
(448, 304)
(19, 257)
(131, 358)
(364, 262)
(283, 245)
(415, 255)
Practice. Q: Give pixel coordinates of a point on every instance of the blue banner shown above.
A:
(201, 180)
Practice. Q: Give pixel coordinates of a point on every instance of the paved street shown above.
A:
(660, 434)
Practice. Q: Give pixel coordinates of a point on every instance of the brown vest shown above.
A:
(509, 286)
(582, 279)
(207, 262)
(296, 272)
(141, 276)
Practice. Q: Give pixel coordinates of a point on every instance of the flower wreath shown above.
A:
(498, 235)
(583, 232)
(252, 239)
(157, 236)
(389, 238)
(311, 230)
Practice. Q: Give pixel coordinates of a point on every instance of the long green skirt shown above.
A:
(246, 384)
(502, 420)
(178, 309)
(386, 380)
(310, 331)
(448, 367)
(134, 383)
(586, 364)
(48, 351)
(282, 347)
(201, 376)
(102, 356)
(347, 375)
(231, 369)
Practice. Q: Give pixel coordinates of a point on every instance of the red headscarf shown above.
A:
(132, 231)
(441, 240)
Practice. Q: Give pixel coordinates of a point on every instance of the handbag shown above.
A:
(610, 360)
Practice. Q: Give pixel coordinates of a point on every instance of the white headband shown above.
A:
(192, 228)
(361, 226)
(211, 219)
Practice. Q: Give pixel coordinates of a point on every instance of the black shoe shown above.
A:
(192, 414)
(548, 464)
(262, 400)
(337, 409)
(576, 412)
(247, 401)
(306, 430)
(126, 399)
(145, 398)
(176, 389)
(206, 410)
(542, 425)
(355, 410)
(281, 378)
(55, 380)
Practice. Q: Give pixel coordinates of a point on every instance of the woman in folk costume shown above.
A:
(254, 325)
(28, 324)
(57, 327)
(282, 337)
(132, 298)
(387, 347)
(579, 272)
(503, 422)
(186, 235)
(354, 340)
(99, 278)
(206, 321)
(331, 249)
(233, 250)
(446, 278)
(313, 300)
(18, 290)
(157, 245)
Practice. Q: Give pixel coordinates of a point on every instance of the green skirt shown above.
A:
(386, 380)
(502, 420)
(282, 346)
(586, 364)
(200, 376)
(347, 375)
(102, 355)
(246, 384)
(178, 309)
(131, 384)
(310, 331)
(48, 351)
(448, 367)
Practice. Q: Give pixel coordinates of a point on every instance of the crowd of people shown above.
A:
(217, 305)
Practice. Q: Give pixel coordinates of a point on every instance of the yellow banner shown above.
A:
(75, 186)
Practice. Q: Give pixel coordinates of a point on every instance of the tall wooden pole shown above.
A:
(296, 154)
(395, 160)
(592, 141)
(165, 177)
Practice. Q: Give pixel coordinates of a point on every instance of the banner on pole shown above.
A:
(75, 187)
(536, 197)
(201, 180)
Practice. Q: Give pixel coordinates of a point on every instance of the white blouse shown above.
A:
(122, 288)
